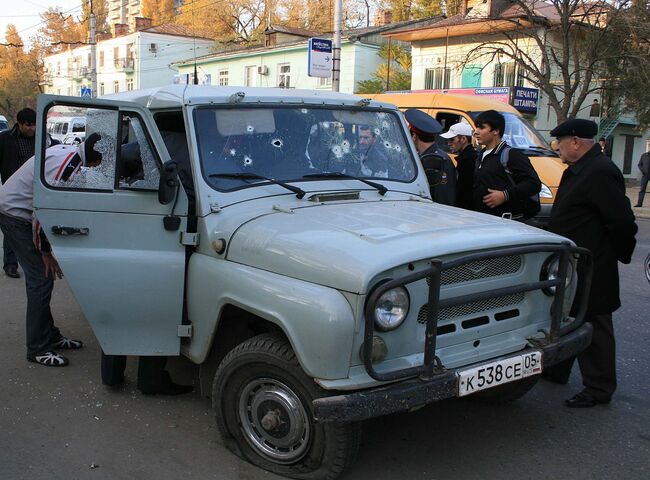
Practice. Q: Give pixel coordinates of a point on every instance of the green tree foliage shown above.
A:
(398, 77)
(627, 78)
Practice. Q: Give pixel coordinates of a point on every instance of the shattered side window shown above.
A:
(84, 166)
(138, 166)
(288, 144)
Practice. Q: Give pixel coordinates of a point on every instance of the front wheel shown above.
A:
(263, 407)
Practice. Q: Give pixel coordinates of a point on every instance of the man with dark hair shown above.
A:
(373, 161)
(16, 147)
(459, 139)
(592, 210)
(27, 240)
(439, 168)
(644, 166)
(505, 181)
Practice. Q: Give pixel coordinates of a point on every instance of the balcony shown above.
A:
(46, 80)
(81, 73)
(124, 65)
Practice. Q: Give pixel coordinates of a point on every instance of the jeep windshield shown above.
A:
(296, 144)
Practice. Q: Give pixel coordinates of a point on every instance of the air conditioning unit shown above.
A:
(263, 70)
(153, 48)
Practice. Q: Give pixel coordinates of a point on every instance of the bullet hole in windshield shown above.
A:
(387, 144)
(337, 151)
(250, 129)
(377, 131)
(248, 161)
(345, 146)
(233, 152)
(277, 142)
(304, 110)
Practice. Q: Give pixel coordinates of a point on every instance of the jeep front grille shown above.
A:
(493, 267)
(472, 308)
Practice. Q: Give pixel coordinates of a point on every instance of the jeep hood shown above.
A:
(346, 245)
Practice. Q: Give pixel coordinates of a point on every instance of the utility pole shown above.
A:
(93, 52)
(336, 47)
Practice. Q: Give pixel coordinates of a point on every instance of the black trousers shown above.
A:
(597, 363)
(152, 376)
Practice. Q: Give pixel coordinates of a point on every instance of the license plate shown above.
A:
(497, 373)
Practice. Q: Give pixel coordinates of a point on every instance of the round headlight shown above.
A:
(550, 271)
(391, 309)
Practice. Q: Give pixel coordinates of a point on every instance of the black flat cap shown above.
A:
(576, 127)
(422, 123)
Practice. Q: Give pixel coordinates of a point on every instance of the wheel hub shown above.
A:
(274, 421)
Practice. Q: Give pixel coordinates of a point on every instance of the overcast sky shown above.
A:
(25, 14)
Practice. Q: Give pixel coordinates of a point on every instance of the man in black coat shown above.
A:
(16, 147)
(459, 139)
(437, 165)
(592, 210)
(502, 185)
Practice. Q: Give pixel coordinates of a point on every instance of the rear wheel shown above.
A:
(508, 392)
(263, 407)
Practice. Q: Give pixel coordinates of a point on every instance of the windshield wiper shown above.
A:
(300, 193)
(382, 189)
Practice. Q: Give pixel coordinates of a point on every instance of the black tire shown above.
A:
(258, 375)
(506, 393)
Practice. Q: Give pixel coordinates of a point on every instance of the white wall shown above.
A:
(150, 69)
(358, 62)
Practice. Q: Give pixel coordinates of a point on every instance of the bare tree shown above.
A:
(559, 46)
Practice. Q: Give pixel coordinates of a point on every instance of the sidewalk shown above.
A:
(633, 194)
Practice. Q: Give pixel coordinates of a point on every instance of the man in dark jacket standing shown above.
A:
(459, 138)
(644, 166)
(502, 186)
(592, 210)
(16, 147)
(437, 165)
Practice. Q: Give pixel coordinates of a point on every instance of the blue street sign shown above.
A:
(86, 92)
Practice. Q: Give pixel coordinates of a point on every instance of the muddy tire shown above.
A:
(508, 392)
(263, 407)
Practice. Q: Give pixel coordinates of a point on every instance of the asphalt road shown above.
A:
(62, 424)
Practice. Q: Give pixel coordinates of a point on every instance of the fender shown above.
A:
(317, 320)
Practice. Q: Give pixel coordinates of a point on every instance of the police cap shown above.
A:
(422, 123)
(576, 127)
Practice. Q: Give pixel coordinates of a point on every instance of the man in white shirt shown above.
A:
(62, 163)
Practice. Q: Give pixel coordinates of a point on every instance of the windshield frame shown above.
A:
(398, 119)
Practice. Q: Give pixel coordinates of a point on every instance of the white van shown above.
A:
(59, 127)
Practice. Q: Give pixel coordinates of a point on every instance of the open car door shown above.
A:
(105, 225)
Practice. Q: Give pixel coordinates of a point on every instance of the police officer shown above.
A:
(438, 167)
(592, 210)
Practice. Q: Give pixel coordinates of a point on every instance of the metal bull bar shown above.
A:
(432, 365)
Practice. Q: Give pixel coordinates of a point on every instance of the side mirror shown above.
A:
(168, 183)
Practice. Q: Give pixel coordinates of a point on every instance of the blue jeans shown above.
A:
(9, 257)
(41, 332)
(642, 188)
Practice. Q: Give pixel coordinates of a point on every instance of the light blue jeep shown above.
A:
(286, 241)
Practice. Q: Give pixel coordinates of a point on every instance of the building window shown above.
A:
(504, 75)
(101, 88)
(284, 75)
(436, 78)
(101, 58)
(129, 84)
(223, 78)
(116, 55)
(325, 81)
(250, 73)
(116, 86)
(58, 69)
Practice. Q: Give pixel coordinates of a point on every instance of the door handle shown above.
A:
(61, 230)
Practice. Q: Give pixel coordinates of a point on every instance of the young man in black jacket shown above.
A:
(16, 147)
(502, 185)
